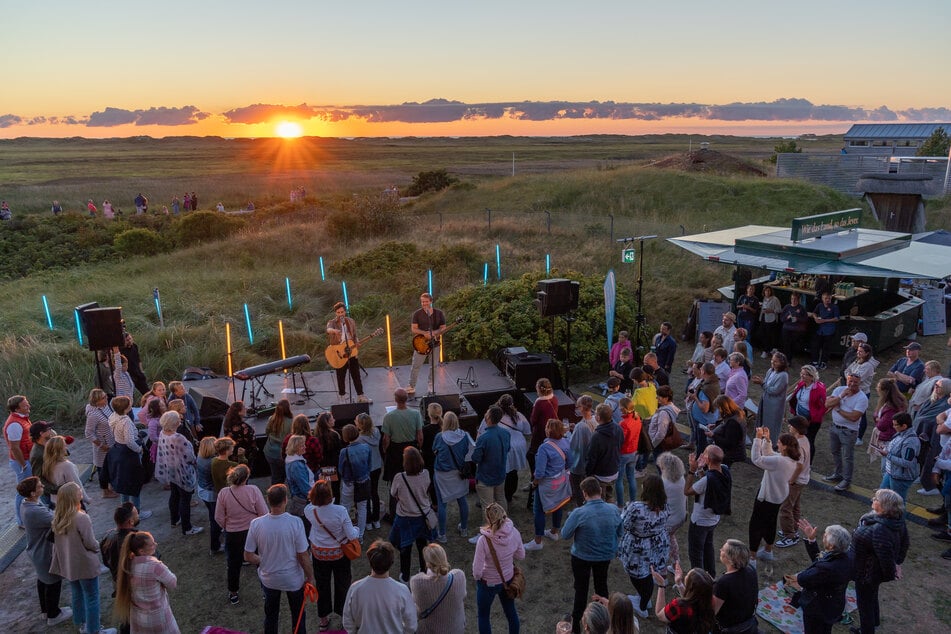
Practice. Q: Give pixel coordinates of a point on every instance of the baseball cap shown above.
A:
(37, 429)
(914, 345)
(860, 336)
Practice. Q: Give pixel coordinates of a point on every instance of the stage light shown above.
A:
(280, 330)
(46, 307)
(247, 320)
(228, 345)
(389, 343)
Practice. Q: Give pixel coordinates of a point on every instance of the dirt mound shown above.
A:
(709, 161)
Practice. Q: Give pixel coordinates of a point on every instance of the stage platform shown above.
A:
(478, 382)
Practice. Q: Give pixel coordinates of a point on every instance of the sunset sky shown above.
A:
(383, 68)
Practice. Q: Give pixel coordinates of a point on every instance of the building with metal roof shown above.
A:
(891, 139)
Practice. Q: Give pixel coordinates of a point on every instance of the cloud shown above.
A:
(261, 112)
(163, 116)
(10, 120)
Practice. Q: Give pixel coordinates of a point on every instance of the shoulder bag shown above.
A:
(672, 438)
(351, 548)
(425, 614)
(555, 492)
(514, 587)
(466, 469)
(431, 520)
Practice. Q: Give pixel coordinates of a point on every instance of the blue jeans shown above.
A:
(485, 595)
(540, 517)
(135, 499)
(441, 513)
(21, 475)
(627, 471)
(272, 609)
(898, 486)
(946, 492)
(85, 603)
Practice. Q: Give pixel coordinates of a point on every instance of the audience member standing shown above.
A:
(848, 404)
(100, 435)
(276, 544)
(604, 452)
(578, 445)
(402, 428)
(237, 506)
(493, 566)
(378, 603)
(644, 541)
(38, 520)
(665, 347)
(452, 446)
(808, 400)
(440, 594)
(908, 371)
(176, 467)
(491, 459)
(736, 592)
(16, 433)
(711, 482)
(330, 528)
(142, 586)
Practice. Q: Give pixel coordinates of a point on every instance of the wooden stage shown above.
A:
(478, 382)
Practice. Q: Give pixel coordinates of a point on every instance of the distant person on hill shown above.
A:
(194, 201)
(187, 204)
(250, 206)
(56, 208)
(91, 208)
(176, 206)
(5, 213)
(140, 204)
(220, 208)
(107, 211)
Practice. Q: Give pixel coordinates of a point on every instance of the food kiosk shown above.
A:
(861, 267)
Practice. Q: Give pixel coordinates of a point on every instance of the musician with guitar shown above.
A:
(428, 325)
(342, 351)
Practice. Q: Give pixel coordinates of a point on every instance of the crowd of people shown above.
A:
(591, 482)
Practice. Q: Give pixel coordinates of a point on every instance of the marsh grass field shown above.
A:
(584, 183)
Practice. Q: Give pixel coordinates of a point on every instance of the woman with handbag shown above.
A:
(354, 469)
(439, 594)
(452, 447)
(519, 431)
(494, 569)
(330, 530)
(237, 505)
(662, 429)
(415, 518)
(330, 444)
(552, 487)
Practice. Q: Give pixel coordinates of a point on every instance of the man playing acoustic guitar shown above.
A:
(343, 331)
(429, 323)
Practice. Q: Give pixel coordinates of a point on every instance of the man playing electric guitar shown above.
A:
(430, 323)
(343, 330)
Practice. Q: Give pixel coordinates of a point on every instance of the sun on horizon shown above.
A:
(289, 130)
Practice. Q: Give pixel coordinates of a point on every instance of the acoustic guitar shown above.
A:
(422, 345)
(338, 355)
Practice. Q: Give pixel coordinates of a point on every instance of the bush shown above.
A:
(204, 226)
(140, 242)
(785, 147)
(366, 215)
(434, 181)
(503, 314)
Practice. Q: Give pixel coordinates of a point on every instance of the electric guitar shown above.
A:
(338, 355)
(422, 345)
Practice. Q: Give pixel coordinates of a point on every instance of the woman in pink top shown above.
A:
(500, 535)
(236, 506)
(142, 587)
(890, 402)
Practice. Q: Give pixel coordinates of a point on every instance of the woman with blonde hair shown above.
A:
(498, 539)
(278, 427)
(58, 469)
(452, 447)
(76, 558)
(300, 479)
(354, 469)
(432, 426)
(672, 472)
(237, 505)
(175, 466)
(371, 436)
(440, 594)
(100, 435)
(206, 491)
(124, 460)
(550, 465)
(142, 587)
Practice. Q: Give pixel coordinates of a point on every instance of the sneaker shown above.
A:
(194, 530)
(552, 535)
(463, 532)
(858, 442)
(946, 554)
(842, 486)
(174, 524)
(233, 598)
(643, 614)
(764, 555)
(103, 570)
(786, 542)
(834, 477)
(108, 630)
(527, 487)
(442, 539)
(942, 536)
(144, 515)
(64, 614)
(929, 492)
(474, 539)
(533, 545)
(363, 399)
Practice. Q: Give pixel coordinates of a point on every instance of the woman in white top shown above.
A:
(58, 470)
(778, 471)
(413, 507)
(864, 367)
(330, 526)
(518, 428)
(769, 324)
(672, 471)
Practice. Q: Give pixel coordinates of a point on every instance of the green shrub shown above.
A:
(434, 181)
(140, 242)
(204, 226)
(366, 215)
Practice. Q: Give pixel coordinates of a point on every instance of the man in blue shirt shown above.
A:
(826, 315)
(908, 371)
(665, 346)
(613, 399)
(595, 527)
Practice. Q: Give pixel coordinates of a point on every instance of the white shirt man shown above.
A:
(726, 330)
(847, 403)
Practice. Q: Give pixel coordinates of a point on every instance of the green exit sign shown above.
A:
(628, 256)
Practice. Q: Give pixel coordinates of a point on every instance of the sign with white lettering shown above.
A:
(824, 224)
